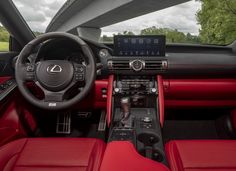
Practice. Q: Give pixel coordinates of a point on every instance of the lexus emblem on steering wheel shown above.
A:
(52, 69)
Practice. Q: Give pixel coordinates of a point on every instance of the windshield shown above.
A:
(195, 22)
(38, 14)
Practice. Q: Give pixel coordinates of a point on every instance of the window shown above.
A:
(195, 22)
(4, 39)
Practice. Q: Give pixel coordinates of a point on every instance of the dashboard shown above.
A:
(188, 71)
(126, 57)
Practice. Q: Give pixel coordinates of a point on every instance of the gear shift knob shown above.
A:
(125, 106)
(127, 119)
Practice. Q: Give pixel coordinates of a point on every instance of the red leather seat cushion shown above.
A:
(52, 154)
(201, 155)
(122, 156)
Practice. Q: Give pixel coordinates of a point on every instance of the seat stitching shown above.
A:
(9, 160)
(13, 156)
(98, 156)
(51, 166)
(97, 160)
(211, 167)
(173, 147)
(91, 158)
(23, 147)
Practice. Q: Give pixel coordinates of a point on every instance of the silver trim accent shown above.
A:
(110, 64)
(102, 122)
(63, 123)
(152, 65)
(103, 53)
(52, 104)
(142, 66)
(164, 65)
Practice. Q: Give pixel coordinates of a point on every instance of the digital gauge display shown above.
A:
(126, 45)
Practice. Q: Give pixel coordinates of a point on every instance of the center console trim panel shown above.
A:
(145, 131)
(117, 153)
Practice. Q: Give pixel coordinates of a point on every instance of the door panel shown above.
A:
(6, 64)
(10, 125)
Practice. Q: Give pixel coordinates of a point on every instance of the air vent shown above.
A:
(156, 65)
(119, 65)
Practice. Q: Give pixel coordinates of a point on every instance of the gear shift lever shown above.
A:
(125, 106)
(126, 120)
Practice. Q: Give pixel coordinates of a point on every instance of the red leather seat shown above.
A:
(47, 154)
(201, 155)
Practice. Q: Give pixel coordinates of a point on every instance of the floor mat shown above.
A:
(188, 129)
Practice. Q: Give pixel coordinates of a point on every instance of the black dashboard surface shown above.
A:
(182, 60)
(197, 60)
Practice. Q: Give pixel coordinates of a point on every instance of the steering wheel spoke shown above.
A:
(53, 96)
(50, 96)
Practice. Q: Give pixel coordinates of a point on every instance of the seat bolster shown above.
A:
(10, 152)
(61, 154)
(96, 156)
(201, 155)
(173, 156)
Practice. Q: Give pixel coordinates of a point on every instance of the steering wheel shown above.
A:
(55, 77)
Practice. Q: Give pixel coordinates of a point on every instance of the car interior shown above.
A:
(137, 104)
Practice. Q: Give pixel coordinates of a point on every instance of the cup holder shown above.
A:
(153, 154)
(148, 139)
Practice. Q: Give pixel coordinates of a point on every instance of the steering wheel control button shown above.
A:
(79, 72)
(79, 77)
(30, 76)
(79, 69)
(30, 68)
(137, 65)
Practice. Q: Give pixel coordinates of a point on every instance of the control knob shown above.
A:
(137, 65)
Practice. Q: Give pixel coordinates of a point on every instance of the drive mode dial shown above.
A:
(137, 65)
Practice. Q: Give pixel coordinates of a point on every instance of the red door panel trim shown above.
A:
(199, 92)
(3, 79)
(199, 103)
(109, 98)
(10, 126)
(161, 99)
(200, 89)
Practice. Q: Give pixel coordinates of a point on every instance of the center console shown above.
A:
(135, 115)
(133, 108)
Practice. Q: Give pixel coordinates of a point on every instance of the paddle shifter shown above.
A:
(127, 118)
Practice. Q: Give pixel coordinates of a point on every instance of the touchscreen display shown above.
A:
(139, 45)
